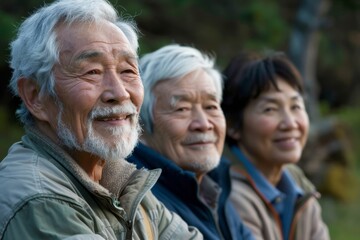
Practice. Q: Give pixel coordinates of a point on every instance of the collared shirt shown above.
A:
(282, 196)
(209, 193)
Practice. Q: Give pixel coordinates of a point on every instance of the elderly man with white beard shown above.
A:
(75, 69)
(184, 136)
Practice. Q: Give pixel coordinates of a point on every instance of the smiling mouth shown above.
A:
(287, 143)
(292, 139)
(106, 119)
(199, 145)
(112, 118)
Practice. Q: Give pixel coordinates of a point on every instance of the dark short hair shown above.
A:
(247, 76)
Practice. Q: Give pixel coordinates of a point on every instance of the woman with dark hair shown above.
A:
(267, 128)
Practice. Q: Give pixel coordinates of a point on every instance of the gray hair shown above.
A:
(35, 50)
(168, 63)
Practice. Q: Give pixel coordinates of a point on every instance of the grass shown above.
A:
(343, 218)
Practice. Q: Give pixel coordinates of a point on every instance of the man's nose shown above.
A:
(114, 88)
(200, 120)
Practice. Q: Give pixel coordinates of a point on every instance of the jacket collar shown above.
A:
(172, 175)
(115, 174)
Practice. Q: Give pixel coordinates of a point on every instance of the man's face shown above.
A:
(99, 91)
(189, 125)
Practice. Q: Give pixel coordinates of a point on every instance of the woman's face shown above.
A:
(275, 127)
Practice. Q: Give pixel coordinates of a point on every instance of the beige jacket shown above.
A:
(46, 195)
(260, 216)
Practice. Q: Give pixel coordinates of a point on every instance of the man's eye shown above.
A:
(212, 107)
(128, 71)
(130, 75)
(182, 109)
(93, 72)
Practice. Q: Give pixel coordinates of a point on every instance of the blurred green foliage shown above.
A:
(7, 31)
(10, 132)
(224, 28)
(343, 217)
(351, 117)
(266, 26)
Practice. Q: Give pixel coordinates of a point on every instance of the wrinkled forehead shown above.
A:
(198, 80)
(77, 35)
(81, 41)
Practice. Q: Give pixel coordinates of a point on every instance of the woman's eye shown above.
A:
(269, 109)
(296, 107)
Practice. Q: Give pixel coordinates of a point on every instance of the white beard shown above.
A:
(125, 137)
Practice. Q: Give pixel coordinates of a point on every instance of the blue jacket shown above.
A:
(178, 190)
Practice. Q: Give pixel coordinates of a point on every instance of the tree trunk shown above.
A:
(303, 48)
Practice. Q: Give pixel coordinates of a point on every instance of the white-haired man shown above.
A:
(184, 136)
(76, 72)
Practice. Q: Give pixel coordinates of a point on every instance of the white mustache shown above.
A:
(201, 137)
(128, 109)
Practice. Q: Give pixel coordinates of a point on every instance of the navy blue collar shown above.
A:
(286, 185)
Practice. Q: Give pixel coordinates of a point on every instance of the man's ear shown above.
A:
(233, 133)
(30, 94)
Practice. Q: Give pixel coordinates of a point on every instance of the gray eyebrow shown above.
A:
(87, 55)
(94, 53)
(176, 98)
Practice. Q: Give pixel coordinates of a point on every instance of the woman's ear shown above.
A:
(30, 94)
(233, 133)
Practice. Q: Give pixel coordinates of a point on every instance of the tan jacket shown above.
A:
(46, 195)
(260, 216)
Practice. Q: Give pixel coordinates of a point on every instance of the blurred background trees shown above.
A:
(322, 37)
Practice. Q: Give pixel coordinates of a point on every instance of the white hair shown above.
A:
(35, 49)
(168, 63)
